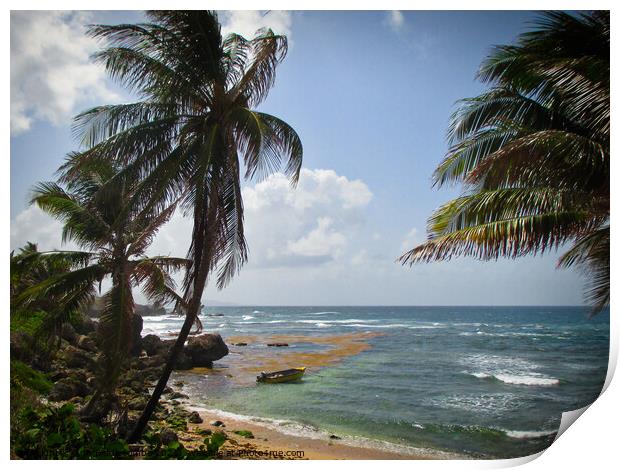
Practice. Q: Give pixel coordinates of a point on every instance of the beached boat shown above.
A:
(281, 376)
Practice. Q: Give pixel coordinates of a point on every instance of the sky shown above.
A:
(369, 93)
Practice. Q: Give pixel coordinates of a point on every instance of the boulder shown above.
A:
(194, 418)
(206, 348)
(183, 362)
(87, 343)
(85, 325)
(77, 358)
(136, 338)
(166, 436)
(153, 345)
(217, 423)
(67, 388)
(67, 332)
(20, 346)
(277, 345)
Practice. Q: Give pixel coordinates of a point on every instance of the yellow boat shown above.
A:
(288, 375)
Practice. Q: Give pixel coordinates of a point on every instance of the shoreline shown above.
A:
(271, 442)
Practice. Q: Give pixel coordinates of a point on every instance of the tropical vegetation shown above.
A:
(189, 135)
(98, 214)
(532, 154)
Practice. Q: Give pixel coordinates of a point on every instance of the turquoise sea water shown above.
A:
(488, 382)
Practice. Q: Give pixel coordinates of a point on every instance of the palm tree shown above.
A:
(42, 318)
(98, 215)
(190, 132)
(533, 154)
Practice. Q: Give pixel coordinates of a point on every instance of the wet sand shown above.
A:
(269, 444)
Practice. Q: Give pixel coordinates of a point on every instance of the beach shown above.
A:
(269, 443)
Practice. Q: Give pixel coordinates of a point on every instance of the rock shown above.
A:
(205, 432)
(183, 362)
(20, 348)
(87, 343)
(240, 344)
(217, 423)
(85, 325)
(194, 418)
(333, 436)
(136, 338)
(153, 345)
(206, 348)
(176, 395)
(179, 384)
(150, 310)
(77, 358)
(166, 436)
(277, 345)
(167, 390)
(137, 404)
(67, 332)
(68, 388)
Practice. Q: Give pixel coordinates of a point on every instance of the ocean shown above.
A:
(483, 382)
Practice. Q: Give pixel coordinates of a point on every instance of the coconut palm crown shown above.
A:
(532, 153)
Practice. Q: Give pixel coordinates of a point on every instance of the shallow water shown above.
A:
(485, 381)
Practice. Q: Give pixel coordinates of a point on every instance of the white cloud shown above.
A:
(322, 241)
(51, 71)
(395, 19)
(34, 225)
(247, 22)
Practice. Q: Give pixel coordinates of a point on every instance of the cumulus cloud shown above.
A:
(247, 22)
(34, 225)
(395, 19)
(51, 71)
(310, 224)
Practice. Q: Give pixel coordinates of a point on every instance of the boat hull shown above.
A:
(289, 375)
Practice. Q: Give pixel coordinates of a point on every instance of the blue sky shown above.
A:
(370, 94)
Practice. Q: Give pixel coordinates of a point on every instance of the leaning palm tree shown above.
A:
(189, 134)
(533, 154)
(98, 215)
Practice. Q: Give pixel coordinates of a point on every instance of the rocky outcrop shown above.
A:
(153, 345)
(136, 334)
(94, 310)
(68, 388)
(206, 348)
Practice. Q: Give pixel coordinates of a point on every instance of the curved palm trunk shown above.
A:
(202, 256)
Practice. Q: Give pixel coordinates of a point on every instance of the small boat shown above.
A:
(288, 375)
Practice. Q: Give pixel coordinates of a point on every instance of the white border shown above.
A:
(591, 443)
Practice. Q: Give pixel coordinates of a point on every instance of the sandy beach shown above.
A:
(269, 443)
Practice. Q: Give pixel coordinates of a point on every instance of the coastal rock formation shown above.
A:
(153, 345)
(94, 310)
(136, 330)
(206, 348)
(68, 388)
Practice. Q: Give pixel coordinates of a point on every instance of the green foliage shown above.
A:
(244, 433)
(533, 154)
(175, 450)
(24, 376)
(56, 433)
